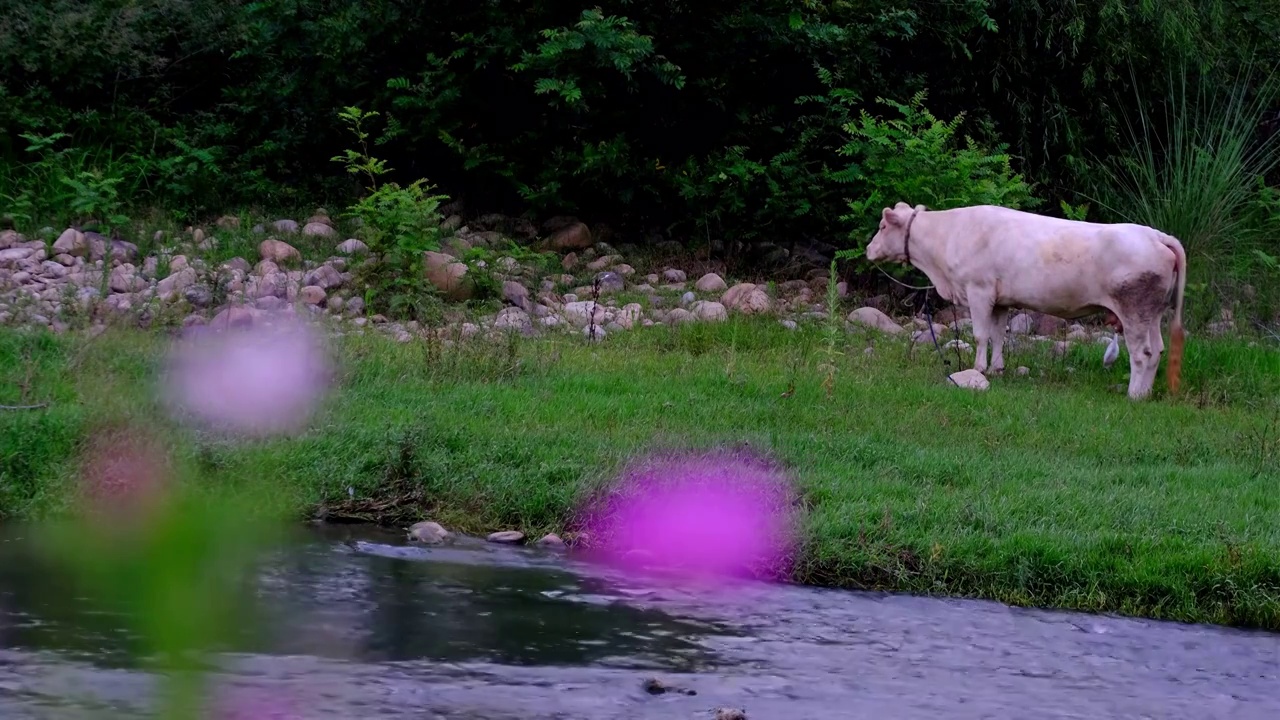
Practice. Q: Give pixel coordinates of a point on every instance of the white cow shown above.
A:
(991, 259)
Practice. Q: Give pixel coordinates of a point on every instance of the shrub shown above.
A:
(918, 159)
(399, 224)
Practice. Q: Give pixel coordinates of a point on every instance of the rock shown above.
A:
(604, 263)
(448, 276)
(285, 226)
(791, 325)
(51, 269)
(312, 295)
(957, 345)
(710, 283)
(1023, 370)
(1048, 324)
(9, 238)
(970, 379)
(594, 333)
(671, 275)
(730, 714)
(318, 229)
(235, 316)
(428, 532)
(124, 251)
(198, 296)
(334, 304)
(277, 251)
(124, 279)
(175, 283)
(71, 242)
(678, 316)
(551, 540)
(624, 270)
(237, 264)
(610, 282)
(576, 236)
(1021, 324)
(747, 299)
(516, 294)
(629, 315)
(513, 318)
(873, 318)
(355, 306)
(569, 262)
(228, 222)
(654, 686)
(274, 284)
(269, 303)
(506, 537)
(581, 313)
(352, 246)
(12, 256)
(1061, 347)
(325, 277)
(709, 311)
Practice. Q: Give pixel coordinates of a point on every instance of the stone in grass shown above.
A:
(428, 532)
(507, 537)
(551, 540)
(970, 379)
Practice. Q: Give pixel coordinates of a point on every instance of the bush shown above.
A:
(918, 159)
(399, 224)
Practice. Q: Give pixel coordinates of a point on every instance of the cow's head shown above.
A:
(890, 241)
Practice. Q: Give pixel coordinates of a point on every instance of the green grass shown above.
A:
(1052, 489)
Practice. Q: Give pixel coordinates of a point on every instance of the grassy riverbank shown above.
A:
(1051, 489)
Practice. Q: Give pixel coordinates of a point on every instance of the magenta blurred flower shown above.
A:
(719, 515)
(256, 380)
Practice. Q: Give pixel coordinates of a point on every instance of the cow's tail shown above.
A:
(1177, 336)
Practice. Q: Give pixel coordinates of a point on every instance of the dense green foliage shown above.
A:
(710, 119)
(1049, 489)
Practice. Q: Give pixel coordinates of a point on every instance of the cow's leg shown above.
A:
(1143, 358)
(981, 309)
(1141, 302)
(999, 321)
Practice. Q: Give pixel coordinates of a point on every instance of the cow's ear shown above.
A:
(890, 217)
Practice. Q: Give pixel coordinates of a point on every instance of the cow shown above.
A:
(991, 258)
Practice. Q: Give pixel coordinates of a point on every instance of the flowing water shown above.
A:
(363, 626)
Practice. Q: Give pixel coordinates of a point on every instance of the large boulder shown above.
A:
(278, 251)
(448, 276)
(710, 283)
(747, 299)
(575, 236)
(873, 318)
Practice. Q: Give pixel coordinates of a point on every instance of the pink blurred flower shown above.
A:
(714, 516)
(255, 380)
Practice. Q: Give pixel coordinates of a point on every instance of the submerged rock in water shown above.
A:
(730, 714)
(428, 532)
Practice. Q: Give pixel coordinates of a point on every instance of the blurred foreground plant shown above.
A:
(174, 556)
(171, 555)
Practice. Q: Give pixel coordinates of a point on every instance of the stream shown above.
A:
(363, 625)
